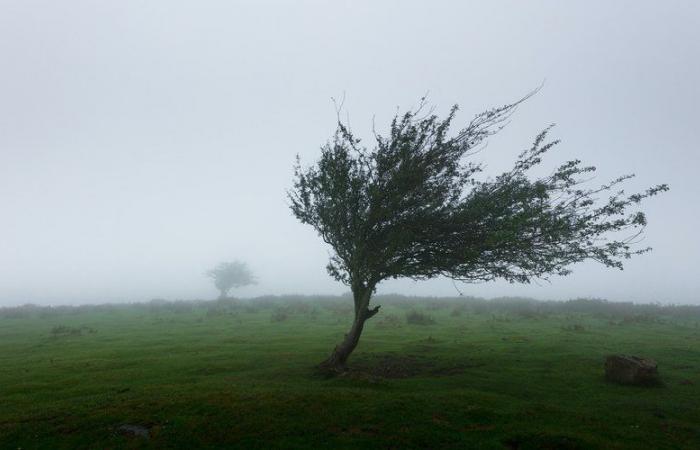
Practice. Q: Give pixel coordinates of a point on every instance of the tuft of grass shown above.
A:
(63, 330)
(389, 321)
(419, 318)
(279, 315)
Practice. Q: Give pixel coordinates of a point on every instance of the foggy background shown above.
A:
(141, 143)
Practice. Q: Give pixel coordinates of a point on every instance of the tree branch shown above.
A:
(369, 313)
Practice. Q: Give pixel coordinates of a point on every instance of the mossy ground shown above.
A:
(241, 375)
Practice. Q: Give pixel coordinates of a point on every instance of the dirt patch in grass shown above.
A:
(516, 339)
(393, 366)
(390, 365)
(478, 427)
(364, 430)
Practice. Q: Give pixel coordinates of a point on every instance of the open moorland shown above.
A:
(429, 373)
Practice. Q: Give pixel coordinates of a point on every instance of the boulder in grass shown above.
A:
(632, 370)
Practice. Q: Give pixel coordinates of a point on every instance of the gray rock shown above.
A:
(632, 370)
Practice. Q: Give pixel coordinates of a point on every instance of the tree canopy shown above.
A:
(229, 275)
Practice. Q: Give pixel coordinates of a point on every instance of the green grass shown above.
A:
(240, 375)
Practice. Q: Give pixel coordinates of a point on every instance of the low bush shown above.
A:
(63, 330)
(419, 318)
(279, 315)
(389, 321)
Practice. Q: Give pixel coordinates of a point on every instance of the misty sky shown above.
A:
(141, 142)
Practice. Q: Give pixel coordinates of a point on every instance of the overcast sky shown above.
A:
(142, 142)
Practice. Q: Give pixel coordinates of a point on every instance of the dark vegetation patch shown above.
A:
(430, 340)
(64, 330)
(419, 318)
(620, 313)
(223, 307)
(458, 310)
(540, 441)
(389, 321)
(282, 312)
(356, 431)
(394, 365)
(391, 365)
(438, 304)
(645, 318)
(342, 307)
(428, 344)
(134, 431)
(278, 315)
(516, 339)
(576, 327)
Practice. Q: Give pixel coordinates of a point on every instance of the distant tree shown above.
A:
(229, 275)
(412, 207)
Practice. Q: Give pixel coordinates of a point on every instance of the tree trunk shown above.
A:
(337, 361)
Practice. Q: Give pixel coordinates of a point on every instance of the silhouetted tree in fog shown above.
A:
(412, 207)
(229, 275)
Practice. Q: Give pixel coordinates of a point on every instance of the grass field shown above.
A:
(240, 374)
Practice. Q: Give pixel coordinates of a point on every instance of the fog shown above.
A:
(142, 143)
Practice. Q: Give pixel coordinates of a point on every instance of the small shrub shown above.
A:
(458, 310)
(419, 318)
(56, 311)
(181, 307)
(260, 304)
(389, 321)
(159, 306)
(302, 308)
(339, 309)
(480, 308)
(500, 318)
(574, 327)
(223, 307)
(19, 312)
(279, 316)
(217, 312)
(528, 314)
(641, 319)
(435, 305)
(63, 330)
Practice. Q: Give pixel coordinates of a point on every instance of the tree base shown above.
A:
(336, 364)
(331, 367)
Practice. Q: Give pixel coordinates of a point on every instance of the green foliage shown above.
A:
(412, 206)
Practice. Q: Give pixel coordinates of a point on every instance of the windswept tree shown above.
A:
(229, 275)
(413, 206)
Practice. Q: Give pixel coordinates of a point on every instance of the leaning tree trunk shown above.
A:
(337, 361)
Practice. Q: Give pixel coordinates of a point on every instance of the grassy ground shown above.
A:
(240, 375)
